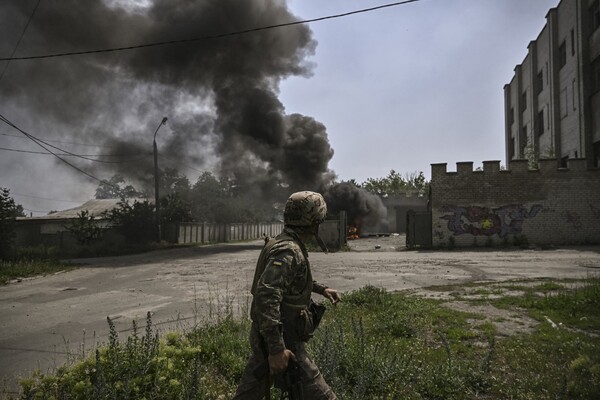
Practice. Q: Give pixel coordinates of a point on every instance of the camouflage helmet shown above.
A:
(305, 209)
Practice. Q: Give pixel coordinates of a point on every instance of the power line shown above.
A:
(20, 37)
(56, 141)
(42, 198)
(39, 143)
(211, 37)
(140, 157)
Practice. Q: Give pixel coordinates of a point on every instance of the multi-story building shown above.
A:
(552, 104)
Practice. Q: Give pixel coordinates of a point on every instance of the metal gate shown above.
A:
(418, 228)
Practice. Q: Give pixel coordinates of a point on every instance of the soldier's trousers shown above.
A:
(250, 388)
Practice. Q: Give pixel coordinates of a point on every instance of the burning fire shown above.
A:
(352, 233)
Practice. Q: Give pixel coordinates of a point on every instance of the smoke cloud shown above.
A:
(221, 95)
(362, 207)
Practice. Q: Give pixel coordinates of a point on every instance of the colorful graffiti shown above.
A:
(481, 221)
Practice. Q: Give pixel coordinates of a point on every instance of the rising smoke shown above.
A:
(220, 95)
(362, 207)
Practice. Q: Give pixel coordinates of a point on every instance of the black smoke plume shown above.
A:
(363, 208)
(220, 95)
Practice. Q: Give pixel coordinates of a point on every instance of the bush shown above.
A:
(9, 210)
(136, 222)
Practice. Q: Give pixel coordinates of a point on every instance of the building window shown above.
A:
(564, 104)
(539, 82)
(511, 116)
(511, 148)
(575, 95)
(596, 156)
(564, 162)
(523, 141)
(524, 101)
(595, 15)
(539, 123)
(562, 54)
(596, 75)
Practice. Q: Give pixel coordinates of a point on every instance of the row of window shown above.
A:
(596, 75)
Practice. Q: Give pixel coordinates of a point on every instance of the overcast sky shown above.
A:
(398, 88)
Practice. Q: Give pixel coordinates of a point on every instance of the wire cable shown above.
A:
(67, 153)
(42, 198)
(39, 143)
(85, 156)
(55, 141)
(20, 37)
(211, 37)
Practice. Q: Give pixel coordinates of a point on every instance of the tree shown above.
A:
(9, 211)
(115, 188)
(207, 196)
(174, 208)
(134, 221)
(396, 184)
(171, 181)
(85, 228)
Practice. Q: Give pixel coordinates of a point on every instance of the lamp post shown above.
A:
(156, 200)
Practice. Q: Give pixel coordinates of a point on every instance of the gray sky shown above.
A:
(399, 88)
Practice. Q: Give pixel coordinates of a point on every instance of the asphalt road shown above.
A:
(46, 320)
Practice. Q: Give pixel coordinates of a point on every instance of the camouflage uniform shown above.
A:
(282, 290)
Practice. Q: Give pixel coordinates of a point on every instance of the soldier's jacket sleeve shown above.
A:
(280, 270)
(318, 288)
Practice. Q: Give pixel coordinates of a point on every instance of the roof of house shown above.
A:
(95, 208)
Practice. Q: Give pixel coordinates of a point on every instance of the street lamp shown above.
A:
(156, 202)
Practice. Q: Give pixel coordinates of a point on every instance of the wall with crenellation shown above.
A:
(546, 206)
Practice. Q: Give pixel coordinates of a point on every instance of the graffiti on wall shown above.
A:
(482, 221)
(438, 232)
(573, 218)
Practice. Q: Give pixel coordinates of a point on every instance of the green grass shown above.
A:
(373, 345)
(10, 270)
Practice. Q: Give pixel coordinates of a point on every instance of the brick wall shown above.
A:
(546, 206)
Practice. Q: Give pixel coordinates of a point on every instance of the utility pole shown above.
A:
(156, 196)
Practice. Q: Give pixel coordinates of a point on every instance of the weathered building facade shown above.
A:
(552, 104)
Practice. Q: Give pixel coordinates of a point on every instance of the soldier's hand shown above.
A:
(278, 362)
(332, 295)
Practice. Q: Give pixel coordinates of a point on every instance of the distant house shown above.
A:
(52, 230)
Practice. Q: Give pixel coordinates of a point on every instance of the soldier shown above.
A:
(282, 312)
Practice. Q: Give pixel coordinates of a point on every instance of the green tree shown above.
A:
(134, 221)
(175, 208)
(396, 184)
(172, 181)
(9, 211)
(85, 228)
(115, 188)
(207, 195)
(225, 200)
